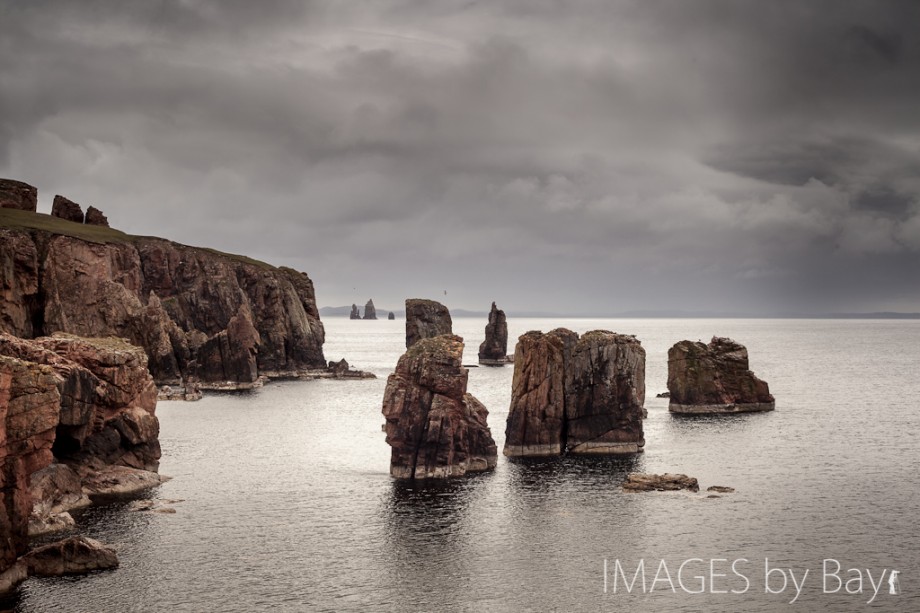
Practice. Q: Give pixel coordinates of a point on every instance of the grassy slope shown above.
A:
(24, 220)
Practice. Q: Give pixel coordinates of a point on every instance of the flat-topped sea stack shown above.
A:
(426, 319)
(435, 428)
(494, 349)
(369, 311)
(714, 378)
(576, 395)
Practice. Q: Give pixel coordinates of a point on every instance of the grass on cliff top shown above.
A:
(25, 220)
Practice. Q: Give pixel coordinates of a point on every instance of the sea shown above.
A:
(283, 499)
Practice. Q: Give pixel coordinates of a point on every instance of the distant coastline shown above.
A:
(343, 311)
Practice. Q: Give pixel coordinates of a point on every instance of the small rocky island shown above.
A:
(494, 349)
(391, 316)
(714, 378)
(426, 319)
(435, 428)
(370, 312)
(355, 312)
(576, 395)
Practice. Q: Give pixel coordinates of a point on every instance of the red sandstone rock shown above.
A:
(714, 378)
(72, 556)
(436, 429)
(94, 217)
(66, 209)
(18, 195)
(425, 319)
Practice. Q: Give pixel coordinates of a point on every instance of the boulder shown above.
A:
(646, 482)
(435, 428)
(576, 395)
(369, 311)
(391, 316)
(18, 195)
(108, 480)
(494, 348)
(426, 319)
(355, 312)
(714, 378)
(66, 209)
(94, 217)
(77, 555)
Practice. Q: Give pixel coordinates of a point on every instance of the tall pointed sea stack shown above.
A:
(436, 428)
(494, 350)
(369, 311)
(425, 319)
(576, 395)
(714, 378)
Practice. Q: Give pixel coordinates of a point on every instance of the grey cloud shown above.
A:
(582, 156)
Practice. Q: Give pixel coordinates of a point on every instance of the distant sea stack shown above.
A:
(391, 316)
(435, 428)
(426, 319)
(355, 312)
(576, 395)
(714, 378)
(18, 195)
(224, 320)
(494, 350)
(369, 311)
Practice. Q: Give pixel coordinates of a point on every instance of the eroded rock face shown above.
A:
(714, 378)
(18, 195)
(55, 490)
(29, 413)
(94, 217)
(221, 319)
(76, 555)
(66, 209)
(426, 319)
(495, 347)
(107, 398)
(576, 395)
(355, 312)
(435, 428)
(370, 312)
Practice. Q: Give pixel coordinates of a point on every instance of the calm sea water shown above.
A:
(288, 504)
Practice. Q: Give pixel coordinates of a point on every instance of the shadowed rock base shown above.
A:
(713, 409)
(532, 451)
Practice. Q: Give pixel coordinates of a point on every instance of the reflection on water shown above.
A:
(289, 506)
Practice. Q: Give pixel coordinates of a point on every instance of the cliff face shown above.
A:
(197, 313)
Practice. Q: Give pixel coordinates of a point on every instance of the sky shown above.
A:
(579, 157)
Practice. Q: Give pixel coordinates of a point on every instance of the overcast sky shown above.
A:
(595, 156)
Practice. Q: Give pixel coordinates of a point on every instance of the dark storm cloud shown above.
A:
(582, 156)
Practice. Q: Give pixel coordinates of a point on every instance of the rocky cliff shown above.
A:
(576, 395)
(714, 378)
(426, 319)
(494, 349)
(222, 319)
(435, 428)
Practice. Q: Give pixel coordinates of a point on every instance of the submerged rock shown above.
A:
(576, 395)
(494, 349)
(18, 195)
(435, 428)
(426, 319)
(66, 209)
(646, 482)
(714, 378)
(720, 489)
(369, 311)
(73, 556)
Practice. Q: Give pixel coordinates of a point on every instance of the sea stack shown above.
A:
(435, 428)
(18, 195)
(576, 395)
(369, 311)
(426, 319)
(714, 378)
(391, 316)
(65, 208)
(355, 312)
(494, 350)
